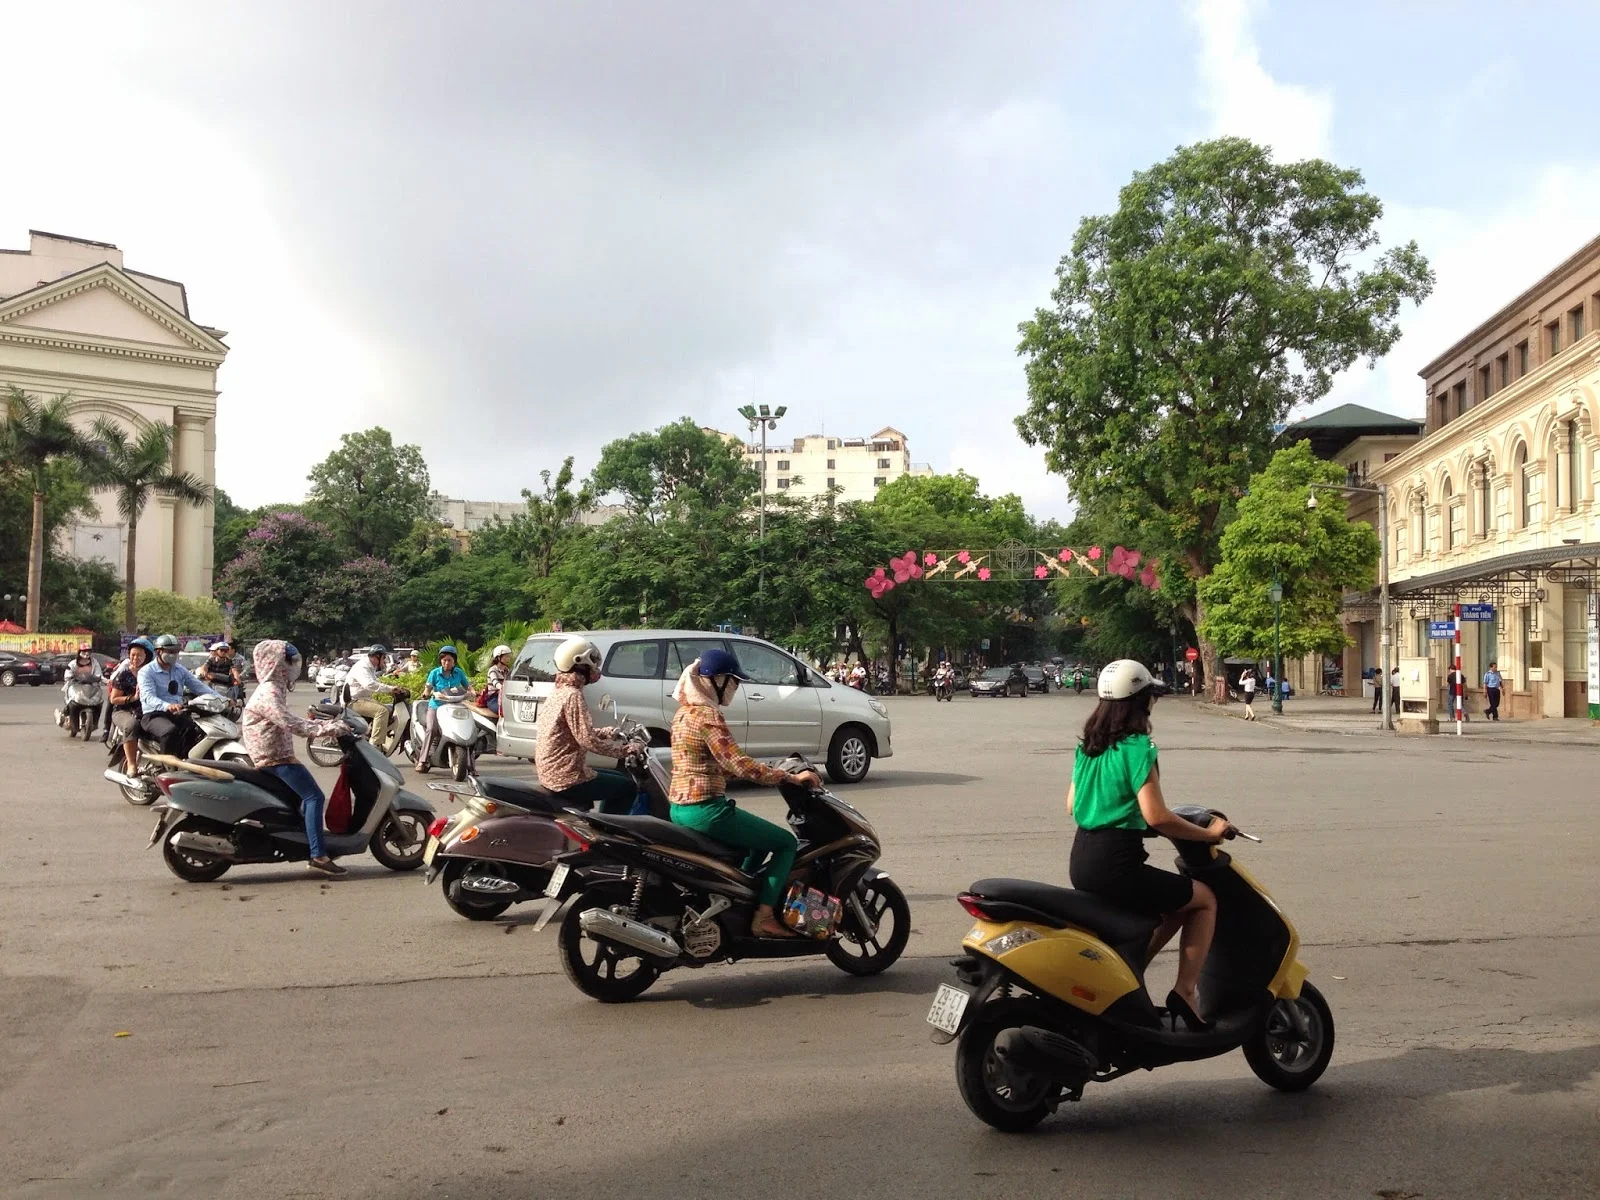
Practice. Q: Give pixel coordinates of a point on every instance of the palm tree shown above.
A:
(136, 469)
(36, 431)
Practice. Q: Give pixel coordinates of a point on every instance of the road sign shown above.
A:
(1442, 630)
(1191, 654)
(1477, 612)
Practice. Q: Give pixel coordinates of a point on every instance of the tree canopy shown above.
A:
(651, 472)
(369, 492)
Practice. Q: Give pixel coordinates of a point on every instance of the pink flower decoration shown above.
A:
(1148, 578)
(983, 574)
(877, 573)
(888, 585)
(1041, 571)
(916, 571)
(930, 559)
(1065, 555)
(1133, 557)
(1094, 553)
(963, 557)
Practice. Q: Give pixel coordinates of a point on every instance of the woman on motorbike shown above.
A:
(566, 737)
(269, 733)
(124, 704)
(446, 677)
(704, 754)
(499, 672)
(81, 673)
(1114, 797)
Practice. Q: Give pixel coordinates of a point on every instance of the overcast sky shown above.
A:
(513, 231)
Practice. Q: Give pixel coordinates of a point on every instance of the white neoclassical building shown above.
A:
(75, 320)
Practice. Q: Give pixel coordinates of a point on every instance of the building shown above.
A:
(74, 319)
(1496, 504)
(463, 518)
(810, 465)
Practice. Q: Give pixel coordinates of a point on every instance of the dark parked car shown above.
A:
(997, 681)
(1038, 681)
(63, 663)
(26, 668)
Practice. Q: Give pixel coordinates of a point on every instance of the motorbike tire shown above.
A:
(979, 1075)
(878, 896)
(139, 796)
(189, 867)
(599, 980)
(400, 840)
(324, 755)
(472, 909)
(460, 762)
(1268, 1050)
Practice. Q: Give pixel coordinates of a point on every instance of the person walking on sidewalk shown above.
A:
(1394, 690)
(1491, 689)
(1247, 684)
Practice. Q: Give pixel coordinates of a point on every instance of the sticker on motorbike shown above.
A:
(949, 1005)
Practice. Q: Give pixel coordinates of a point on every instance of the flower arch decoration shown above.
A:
(1012, 562)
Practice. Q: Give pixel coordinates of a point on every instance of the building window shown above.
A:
(1388, 456)
(1532, 651)
(1424, 642)
(1530, 482)
(1486, 501)
(879, 481)
(1575, 320)
(1433, 521)
(1502, 371)
(1461, 399)
(832, 482)
(1443, 399)
(1458, 525)
(1485, 384)
(1488, 635)
(782, 482)
(883, 464)
(783, 464)
(1522, 359)
(833, 464)
(833, 444)
(1552, 339)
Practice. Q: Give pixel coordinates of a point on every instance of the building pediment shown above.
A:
(103, 310)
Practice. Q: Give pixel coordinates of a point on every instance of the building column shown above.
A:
(1563, 471)
(1552, 618)
(191, 550)
(1481, 507)
(158, 550)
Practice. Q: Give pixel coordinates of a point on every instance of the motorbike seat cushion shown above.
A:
(265, 780)
(656, 830)
(1067, 906)
(524, 794)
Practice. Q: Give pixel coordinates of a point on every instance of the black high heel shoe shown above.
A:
(1178, 1008)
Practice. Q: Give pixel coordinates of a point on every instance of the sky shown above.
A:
(513, 231)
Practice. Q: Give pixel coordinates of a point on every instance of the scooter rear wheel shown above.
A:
(994, 1097)
(466, 903)
(1283, 1058)
(610, 974)
(187, 866)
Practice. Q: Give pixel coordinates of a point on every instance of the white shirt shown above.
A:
(1249, 683)
(362, 680)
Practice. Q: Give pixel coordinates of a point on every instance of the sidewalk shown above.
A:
(1338, 714)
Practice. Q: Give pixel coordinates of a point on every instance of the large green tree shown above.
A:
(534, 537)
(1225, 289)
(1315, 554)
(651, 472)
(369, 492)
(136, 469)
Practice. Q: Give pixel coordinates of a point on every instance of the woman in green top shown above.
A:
(1115, 796)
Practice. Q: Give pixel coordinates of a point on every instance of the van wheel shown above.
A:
(849, 755)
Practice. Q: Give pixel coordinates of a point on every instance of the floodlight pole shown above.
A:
(762, 418)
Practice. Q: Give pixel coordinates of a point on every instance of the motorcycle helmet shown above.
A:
(291, 658)
(377, 649)
(723, 670)
(1126, 678)
(451, 651)
(166, 649)
(502, 648)
(218, 647)
(577, 654)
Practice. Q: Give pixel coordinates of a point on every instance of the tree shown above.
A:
(1315, 554)
(78, 592)
(136, 469)
(654, 471)
(66, 496)
(229, 524)
(533, 537)
(35, 434)
(1225, 290)
(472, 594)
(369, 492)
(161, 611)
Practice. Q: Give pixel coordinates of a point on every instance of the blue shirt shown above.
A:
(1491, 679)
(160, 686)
(438, 681)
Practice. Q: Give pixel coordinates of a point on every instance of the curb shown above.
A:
(1578, 741)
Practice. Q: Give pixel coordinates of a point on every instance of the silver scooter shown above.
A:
(82, 702)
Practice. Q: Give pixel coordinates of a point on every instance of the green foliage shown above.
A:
(534, 538)
(1316, 554)
(66, 496)
(427, 546)
(1225, 290)
(475, 593)
(654, 472)
(162, 611)
(79, 593)
(229, 525)
(369, 492)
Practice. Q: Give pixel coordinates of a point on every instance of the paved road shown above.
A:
(295, 1037)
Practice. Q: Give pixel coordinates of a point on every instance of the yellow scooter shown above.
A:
(1051, 992)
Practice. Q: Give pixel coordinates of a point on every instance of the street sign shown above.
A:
(1442, 630)
(1191, 654)
(983, 645)
(1477, 612)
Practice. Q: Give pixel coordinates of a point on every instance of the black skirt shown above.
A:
(1112, 864)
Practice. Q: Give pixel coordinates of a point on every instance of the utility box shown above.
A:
(1419, 693)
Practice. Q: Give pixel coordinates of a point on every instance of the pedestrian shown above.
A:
(1247, 684)
(1377, 688)
(1394, 690)
(1457, 679)
(1271, 684)
(1491, 689)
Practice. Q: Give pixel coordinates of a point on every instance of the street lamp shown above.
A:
(1275, 593)
(762, 418)
(1385, 638)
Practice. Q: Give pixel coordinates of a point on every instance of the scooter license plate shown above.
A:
(557, 878)
(430, 851)
(161, 819)
(949, 1005)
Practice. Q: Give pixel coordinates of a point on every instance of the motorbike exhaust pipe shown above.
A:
(489, 885)
(204, 843)
(614, 927)
(1029, 1050)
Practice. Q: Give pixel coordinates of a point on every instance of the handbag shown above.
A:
(810, 912)
(336, 816)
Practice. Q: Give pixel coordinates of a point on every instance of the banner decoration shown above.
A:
(1010, 562)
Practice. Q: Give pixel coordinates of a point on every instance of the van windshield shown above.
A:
(537, 662)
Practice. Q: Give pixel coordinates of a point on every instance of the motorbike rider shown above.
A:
(363, 685)
(218, 670)
(269, 733)
(704, 754)
(944, 675)
(1115, 795)
(447, 676)
(499, 672)
(123, 702)
(82, 672)
(163, 684)
(565, 737)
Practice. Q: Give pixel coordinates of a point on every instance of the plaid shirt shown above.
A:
(704, 754)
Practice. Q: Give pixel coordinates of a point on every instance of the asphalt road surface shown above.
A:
(290, 1036)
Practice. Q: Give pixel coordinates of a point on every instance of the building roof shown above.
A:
(1330, 432)
(67, 237)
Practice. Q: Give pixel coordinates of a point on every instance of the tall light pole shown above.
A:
(1275, 593)
(762, 418)
(1385, 638)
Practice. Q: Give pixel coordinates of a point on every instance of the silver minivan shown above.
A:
(786, 708)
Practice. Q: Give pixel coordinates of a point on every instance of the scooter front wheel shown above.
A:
(460, 762)
(325, 752)
(1291, 1055)
(399, 841)
(999, 1095)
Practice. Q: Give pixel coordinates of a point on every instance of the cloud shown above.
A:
(1242, 98)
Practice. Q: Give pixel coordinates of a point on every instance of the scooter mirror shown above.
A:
(607, 704)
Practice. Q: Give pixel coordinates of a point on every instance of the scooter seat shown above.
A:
(654, 829)
(265, 780)
(1066, 906)
(531, 796)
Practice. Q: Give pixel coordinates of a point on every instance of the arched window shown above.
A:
(1530, 487)
(1455, 518)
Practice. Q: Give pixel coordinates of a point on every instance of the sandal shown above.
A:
(774, 929)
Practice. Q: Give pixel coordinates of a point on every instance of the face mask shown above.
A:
(166, 657)
(725, 690)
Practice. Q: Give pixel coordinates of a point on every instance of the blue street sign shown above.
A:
(1441, 629)
(1477, 612)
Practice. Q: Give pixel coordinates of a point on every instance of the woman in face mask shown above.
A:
(566, 737)
(704, 754)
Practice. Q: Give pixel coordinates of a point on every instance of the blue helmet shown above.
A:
(451, 651)
(144, 644)
(720, 662)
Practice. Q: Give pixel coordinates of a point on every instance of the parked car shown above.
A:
(63, 663)
(1038, 681)
(332, 675)
(787, 707)
(996, 681)
(26, 668)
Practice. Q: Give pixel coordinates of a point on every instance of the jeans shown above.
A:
(609, 791)
(720, 819)
(312, 801)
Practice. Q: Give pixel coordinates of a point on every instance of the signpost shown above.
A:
(1594, 656)
(1476, 612)
(1191, 655)
(1441, 631)
(1458, 681)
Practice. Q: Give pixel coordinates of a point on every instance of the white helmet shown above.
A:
(502, 648)
(578, 652)
(1124, 678)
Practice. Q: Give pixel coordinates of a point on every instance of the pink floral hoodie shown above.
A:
(269, 727)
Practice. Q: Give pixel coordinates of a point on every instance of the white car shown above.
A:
(333, 674)
(786, 708)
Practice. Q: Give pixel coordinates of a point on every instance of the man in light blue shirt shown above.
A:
(163, 684)
(1491, 688)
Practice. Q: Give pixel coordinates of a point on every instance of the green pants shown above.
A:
(611, 792)
(720, 819)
